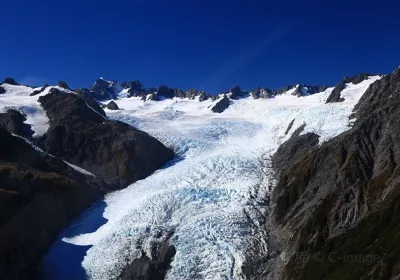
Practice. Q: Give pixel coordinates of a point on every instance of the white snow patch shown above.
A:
(352, 93)
(17, 98)
(79, 169)
(290, 91)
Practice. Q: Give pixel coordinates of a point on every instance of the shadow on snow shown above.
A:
(64, 260)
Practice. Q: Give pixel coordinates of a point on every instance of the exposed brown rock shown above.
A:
(114, 151)
(39, 196)
(342, 197)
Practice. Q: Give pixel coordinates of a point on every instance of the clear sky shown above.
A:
(205, 44)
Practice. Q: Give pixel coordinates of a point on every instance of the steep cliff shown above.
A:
(39, 196)
(336, 207)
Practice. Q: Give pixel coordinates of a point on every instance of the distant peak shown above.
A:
(10, 81)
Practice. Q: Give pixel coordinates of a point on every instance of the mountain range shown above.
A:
(118, 181)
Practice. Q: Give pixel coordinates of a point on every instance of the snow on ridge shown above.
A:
(38, 149)
(17, 98)
(79, 169)
(291, 91)
(353, 92)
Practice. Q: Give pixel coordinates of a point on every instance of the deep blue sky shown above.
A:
(206, 44)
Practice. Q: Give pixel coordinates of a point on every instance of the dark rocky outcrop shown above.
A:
(336, 207)
(135, 88)
(13, 122)
(154, 267)
(283, 89)
(10, 81)
(256, 93)
(305, 90)
(289, 127)
(165, 91)
(335, 95)
(38, 91)
(236, 92)
(63, 84)
(263, 93)
(102, 90)
(114, 151)
(112, 106)
(202, 96)
(216, 97)
(2, 90)
(39, 196)
(85, 95)
(179, 93)
(153, 96)
(193, 93)
(221, 105)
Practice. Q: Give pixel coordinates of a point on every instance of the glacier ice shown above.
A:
(212, 198)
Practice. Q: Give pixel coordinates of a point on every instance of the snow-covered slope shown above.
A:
(212, 198)
(17, 97)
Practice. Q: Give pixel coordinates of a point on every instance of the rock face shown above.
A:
(305, 90)
(153, 96)
(10, 81)
(153, 267)
(135, 88)
(221, 105)
(193, 93)
(237, 92)
(112, 106)
(114, 151)
(63, 84)
(2, 90)
(102, 90)
(85, 95)
(256, 93)
(336, 207)
(165, 91)
(335, 95)
(13, 122)
(39, 196)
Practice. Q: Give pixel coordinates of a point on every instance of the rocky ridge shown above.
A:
(340, 200)
(82, 135)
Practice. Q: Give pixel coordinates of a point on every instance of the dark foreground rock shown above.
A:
(13, 122)
(2, 90)
(336, 208)
(114, 151)
(39, 196)
(221, 105)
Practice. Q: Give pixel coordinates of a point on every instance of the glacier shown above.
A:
(212, 199)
